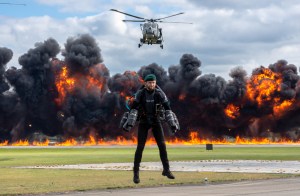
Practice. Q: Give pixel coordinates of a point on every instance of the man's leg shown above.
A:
(142, 138)
(160, 140)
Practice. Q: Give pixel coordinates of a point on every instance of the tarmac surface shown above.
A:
(277, 187)
(242, 166)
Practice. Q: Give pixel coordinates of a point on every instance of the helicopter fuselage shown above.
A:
(152, 34)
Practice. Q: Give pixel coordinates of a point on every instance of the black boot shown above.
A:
(136, 177)
(168, 173)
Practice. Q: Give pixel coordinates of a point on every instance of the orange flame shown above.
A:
(69, 142)
(262, 87)
(232, 111)
(280, 108)
(21, 143)
(91, 142)
(45, 143)
(194, 139)
(5, 143)
(65, 83)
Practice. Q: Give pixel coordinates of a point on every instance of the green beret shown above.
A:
(150, 77)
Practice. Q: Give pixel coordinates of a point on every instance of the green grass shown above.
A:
(49, 156)
(33, 181)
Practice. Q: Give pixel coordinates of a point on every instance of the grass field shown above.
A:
(33, 181)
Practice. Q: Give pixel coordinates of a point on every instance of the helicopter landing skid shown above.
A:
(142, 41)
(140, 45)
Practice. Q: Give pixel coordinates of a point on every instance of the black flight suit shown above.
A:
(145, 102)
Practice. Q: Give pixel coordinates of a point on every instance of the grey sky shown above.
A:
(224, 33)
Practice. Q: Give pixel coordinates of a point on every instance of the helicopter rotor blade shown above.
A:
(175, 22)
(133, 20)
(114, 10)
(169, 16)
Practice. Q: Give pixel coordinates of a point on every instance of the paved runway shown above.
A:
(242, 166)
(278, 187)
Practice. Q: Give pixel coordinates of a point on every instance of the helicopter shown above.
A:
(152, 34)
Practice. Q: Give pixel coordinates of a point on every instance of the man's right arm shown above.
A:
(137, 99)
(133, 114)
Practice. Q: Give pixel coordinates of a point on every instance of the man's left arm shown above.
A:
(171, 118)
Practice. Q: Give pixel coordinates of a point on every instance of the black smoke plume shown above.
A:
(33, 84)
(81, 54)
(8, 100)
(87, 108)
(76, 96)
(5, 56)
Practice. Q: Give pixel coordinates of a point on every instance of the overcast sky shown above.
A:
(224, 33)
